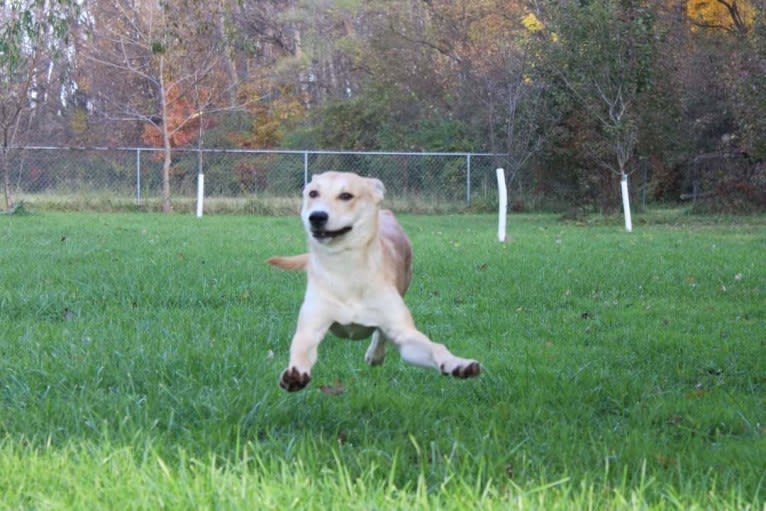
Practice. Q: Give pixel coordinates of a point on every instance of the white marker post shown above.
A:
(200, 193)
(200, 172)
(502, 194)
(626, 203)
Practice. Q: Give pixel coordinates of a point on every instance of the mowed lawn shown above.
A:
(139, 357)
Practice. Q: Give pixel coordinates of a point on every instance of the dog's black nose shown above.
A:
(318, 218)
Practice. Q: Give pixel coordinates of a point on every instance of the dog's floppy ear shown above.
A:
(378, 188)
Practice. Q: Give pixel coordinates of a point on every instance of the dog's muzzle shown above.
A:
(318, 221)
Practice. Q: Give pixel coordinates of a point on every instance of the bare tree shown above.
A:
(30, 31)
(523, 110)
(602, 52)
(170, 61)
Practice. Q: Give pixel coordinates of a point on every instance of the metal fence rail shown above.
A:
(136, 172)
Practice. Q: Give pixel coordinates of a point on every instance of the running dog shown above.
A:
(359, 265)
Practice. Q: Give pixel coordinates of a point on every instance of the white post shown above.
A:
(138, 176)
(200, 172)
(502, 193)
(200, 193)
(626, 203)
(468, 178)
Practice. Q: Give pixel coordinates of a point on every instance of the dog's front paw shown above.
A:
(293, 379)
(462, 369)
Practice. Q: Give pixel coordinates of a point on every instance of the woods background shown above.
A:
(577, 94)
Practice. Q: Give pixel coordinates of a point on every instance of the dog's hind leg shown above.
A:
(376, 353)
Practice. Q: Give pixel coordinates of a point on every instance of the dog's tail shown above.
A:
(293, 263)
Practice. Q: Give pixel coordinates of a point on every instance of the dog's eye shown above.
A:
(313, 194)
(345, 196)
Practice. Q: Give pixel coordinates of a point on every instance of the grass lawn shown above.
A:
(139, 357)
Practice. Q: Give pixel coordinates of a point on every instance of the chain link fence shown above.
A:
(136, 173)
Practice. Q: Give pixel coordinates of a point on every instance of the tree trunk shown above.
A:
(7, 180)
(166, 206)
(7, 186)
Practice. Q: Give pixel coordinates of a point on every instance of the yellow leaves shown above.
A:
(532, 23)
(487, 36)
(731, 15)
(79, 121)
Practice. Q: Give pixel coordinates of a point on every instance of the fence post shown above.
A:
(468, 178)
(626, 202)
(200, 181)
(502, 214)
(138, 176)
(305, 168)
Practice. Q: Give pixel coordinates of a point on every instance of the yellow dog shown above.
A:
(359, 266)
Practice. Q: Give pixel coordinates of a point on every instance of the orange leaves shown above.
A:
(182, 119)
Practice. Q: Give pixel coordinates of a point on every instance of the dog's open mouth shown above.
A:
(322, 234)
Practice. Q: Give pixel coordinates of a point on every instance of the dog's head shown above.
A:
(341, 207)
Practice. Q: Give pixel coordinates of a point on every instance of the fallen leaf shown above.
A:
(665, 461)
(675, 420)
(333, 390)
(698, 392)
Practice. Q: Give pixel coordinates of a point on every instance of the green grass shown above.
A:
(139, 357)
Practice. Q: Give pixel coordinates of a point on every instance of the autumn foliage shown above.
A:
(274, 108)
(182, 122)
(657, 86)
(729, 15)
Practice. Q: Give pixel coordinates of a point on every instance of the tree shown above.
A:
(30, 33)
(525, 104)
(729, 38)
(729, 15)
(738, 29)
(602, 54)
(169, 55)
(751, 89)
